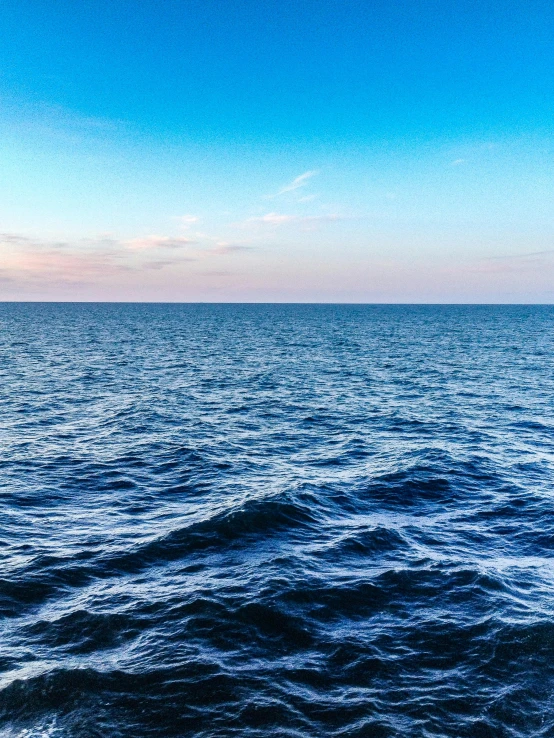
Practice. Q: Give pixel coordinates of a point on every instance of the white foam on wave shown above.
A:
(44, 729)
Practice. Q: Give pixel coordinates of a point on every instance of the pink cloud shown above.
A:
(36, 265)
(53, 265)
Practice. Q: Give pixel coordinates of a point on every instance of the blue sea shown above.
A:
(276, 520)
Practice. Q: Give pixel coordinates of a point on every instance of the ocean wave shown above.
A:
(276, 520)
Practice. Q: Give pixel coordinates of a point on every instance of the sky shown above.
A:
(307, 151)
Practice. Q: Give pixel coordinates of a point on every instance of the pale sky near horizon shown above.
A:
(263, 151)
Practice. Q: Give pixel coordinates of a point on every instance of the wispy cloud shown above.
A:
(298, 182)
(187, 220)
(157, 242)
(272, 219)
(528, 255)
(36, 262)
(58, 266)
(224, 247)
(279, 219)
(14, 238)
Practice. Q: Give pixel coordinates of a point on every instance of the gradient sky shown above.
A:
(277, 151)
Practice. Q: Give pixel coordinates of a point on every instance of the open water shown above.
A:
(276, 520)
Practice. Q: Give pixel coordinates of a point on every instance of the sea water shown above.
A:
(276, 520)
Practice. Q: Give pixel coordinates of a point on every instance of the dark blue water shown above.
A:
(294, 521)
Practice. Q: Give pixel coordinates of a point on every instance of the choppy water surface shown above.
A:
(276, 520)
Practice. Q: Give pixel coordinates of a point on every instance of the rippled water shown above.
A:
(240, 520)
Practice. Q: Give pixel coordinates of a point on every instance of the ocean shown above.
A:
(276, 520)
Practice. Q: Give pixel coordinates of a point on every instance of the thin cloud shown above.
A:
(157, 242)
(188, 220)
(272, 219)
(52, 265)
(297, 182)
(14, 239)
(163, 263)
(530, 254)
(279, 219)
(36, 263)
(223, 248)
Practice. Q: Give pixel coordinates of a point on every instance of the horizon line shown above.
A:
(282, 302)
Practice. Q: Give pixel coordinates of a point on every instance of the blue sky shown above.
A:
(307, 151)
